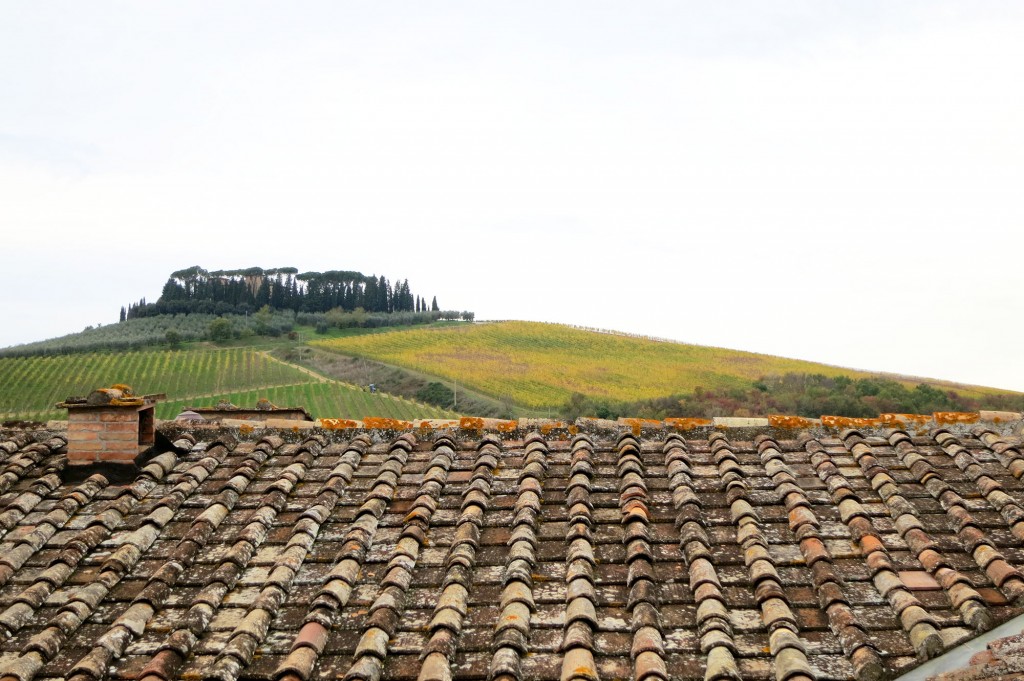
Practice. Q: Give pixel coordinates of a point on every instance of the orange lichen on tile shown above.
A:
(245, 429)
(503, 426)
(549, 426)
(121, 395)
(783, 421)
(338, 424)
(471, 423)
(643, 423)
(426, 426)
(686, 423)
(573, 430)
(638, 425)
(898, 419)
(849, 422)
(377, 423)
(951, 417)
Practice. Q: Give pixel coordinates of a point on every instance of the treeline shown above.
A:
(809, 395)
(197, 291)
(337, 318)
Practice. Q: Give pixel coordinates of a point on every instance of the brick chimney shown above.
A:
(110, 426)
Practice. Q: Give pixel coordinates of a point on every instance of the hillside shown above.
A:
(424, 368)
(543, 366)
(192, 377)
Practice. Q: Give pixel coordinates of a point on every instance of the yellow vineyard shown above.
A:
(542, 365)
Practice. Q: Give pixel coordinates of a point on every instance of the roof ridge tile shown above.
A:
(776, 613)
(714, 630)
(387, 608)
(581, 618)
(452, 606)
(853, 637)
(922, 630)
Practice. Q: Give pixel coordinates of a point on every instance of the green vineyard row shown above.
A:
(31, 386)
(321, 400)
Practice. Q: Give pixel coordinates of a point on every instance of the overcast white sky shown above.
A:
(839, 182)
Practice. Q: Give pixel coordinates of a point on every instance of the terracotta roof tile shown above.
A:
(751, 552)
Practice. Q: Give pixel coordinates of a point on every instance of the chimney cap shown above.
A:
(117, 395)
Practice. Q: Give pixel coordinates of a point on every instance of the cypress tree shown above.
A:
(277, 293)
(370, 295)
(433, 306)
(386, 295)
(263, 294)
(406, 297)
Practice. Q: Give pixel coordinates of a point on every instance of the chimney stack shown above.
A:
(111, 426)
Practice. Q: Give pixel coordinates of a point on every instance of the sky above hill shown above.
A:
(838, 182)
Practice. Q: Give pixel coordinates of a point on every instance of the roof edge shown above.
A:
(786, 426)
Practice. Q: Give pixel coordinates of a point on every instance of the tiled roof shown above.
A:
(539, 551)
(1002, 660)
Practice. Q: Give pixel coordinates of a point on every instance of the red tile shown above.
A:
(993, 596)
(919, 580)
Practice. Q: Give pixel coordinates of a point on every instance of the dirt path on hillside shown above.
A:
(309, 372)
(327, 379)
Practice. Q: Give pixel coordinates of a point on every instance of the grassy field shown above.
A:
(199, 377)
(541, 365)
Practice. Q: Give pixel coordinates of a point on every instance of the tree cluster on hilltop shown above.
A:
(195, 290)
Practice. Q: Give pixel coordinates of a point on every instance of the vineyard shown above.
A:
(323, 400)
(541, 365)
(31, 386)
(135, 334)
(521, 367)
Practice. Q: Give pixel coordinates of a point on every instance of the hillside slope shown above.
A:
(542, 365)
(194, 377)
(503, 369)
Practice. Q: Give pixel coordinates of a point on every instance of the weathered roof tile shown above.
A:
(492, 556)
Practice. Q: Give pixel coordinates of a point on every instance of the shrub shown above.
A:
(436, 393)
(221, 329)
